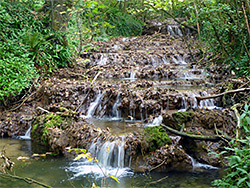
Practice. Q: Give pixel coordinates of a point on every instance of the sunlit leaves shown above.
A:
(114, 178)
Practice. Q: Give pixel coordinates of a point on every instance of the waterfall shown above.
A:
(132, 75)
(155, 60)
(27, 134)
(165, 61)
(103, 60)
(156, 122)
(111, 160)
(196, 164)
(174, 30)
(179, 61)
(115, 112)
(184, 104)
(170, 30)
(178, 31)
(93, 106)
(111, 154)
(207, 103)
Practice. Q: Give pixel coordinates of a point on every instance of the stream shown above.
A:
(130, 84)
(63, 172)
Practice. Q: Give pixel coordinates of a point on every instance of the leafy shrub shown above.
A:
(123, 24)
(16, 73)
(237, 172)
(27, 46)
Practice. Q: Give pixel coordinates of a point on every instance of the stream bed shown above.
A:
(114, 106)
(62, 172)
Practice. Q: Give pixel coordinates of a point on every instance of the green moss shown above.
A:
(181, 117)
(156, 137)
(53, 120)
(46, 121)
(34, 127)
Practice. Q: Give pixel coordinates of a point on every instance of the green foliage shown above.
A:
(156, 137)
(94, 20)
(123, 24)
(16, 73)
(27, 46)
(238, 170)
(224, 31)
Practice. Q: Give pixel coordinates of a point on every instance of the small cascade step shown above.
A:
(116, 104)
(109, 153)
(27, 134)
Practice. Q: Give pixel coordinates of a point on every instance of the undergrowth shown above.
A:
(27, 47)
(238, 156)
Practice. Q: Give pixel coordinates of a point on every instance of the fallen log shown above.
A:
(221, 94)
(196, 137)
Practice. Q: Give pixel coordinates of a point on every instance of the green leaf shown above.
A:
(248, 120)
(242, 170)
(241, 180)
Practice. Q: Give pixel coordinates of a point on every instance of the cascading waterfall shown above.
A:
(116, 114)
(184, 104)
(207, 103)
(156, 122)
(196, 164)
(132, 75)
(103, 60)
(179, 61)
(165, 61)
(155, 61)
(94, 105)
(111, 154)
(174, 30)
(192, 101)
(27, 134)
(111, 160)
(178, 31)
(170, 30)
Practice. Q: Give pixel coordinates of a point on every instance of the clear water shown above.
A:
(62, 172)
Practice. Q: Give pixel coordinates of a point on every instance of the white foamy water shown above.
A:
(111, 160)
(27, 134)
(116, 114)
(156, 122)
(179, 61)
(83, 168)
(93, 106)
(190, 100)
(132, 76)
(174, 30)
(197, 164)
(103, 60)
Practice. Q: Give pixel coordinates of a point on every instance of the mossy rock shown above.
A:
(155, 138)
(42, 124)
(176, 120)
(182, 117)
